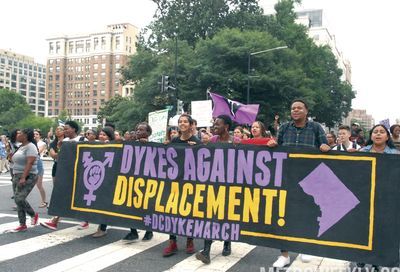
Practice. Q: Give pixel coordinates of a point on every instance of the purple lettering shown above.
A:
(154, 222)
(149, 165)
(235, 230)
(263, 178)
(279, 156)
(207, 231)
(160, 224)
(189, 227)
(203, 166)
(167, 224)
(230, 171)
(215, 231)
(198, 229)
(173, 170)
(224, 231)
(190, 166)
(181, 224)
(174, 224)
(218, 168)
(126, 159)
(245, 166)
(161, 163)
(139, 153)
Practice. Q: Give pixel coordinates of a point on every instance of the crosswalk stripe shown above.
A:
(105, 256)
(20, 248)
(218, 262)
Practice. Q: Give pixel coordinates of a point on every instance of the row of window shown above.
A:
(26, 66)
(93, 111)
(22, 72)
(80, 46)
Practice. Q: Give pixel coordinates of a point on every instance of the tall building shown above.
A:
(361, 117)
(313, 19)
(21, 74)
(84, 71)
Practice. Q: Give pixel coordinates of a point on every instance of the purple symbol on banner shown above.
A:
(94, 174)
(333, 198)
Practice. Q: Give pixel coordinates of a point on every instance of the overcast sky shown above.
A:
(366, 33)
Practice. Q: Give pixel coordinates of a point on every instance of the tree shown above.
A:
(107, 110)
(13, 108)
(38, 122)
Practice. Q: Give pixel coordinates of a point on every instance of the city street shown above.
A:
(70, 249)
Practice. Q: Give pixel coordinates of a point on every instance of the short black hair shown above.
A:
(227, 120)
(109, 124)
(148, 127)
(299, 100)
(109, 132)
(74, 125)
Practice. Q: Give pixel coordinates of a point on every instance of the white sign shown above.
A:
(202, 112)
(158, 123)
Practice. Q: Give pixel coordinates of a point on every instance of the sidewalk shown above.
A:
(321, 264)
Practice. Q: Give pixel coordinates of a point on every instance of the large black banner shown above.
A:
(338, 205)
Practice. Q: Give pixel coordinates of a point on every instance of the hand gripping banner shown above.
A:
(338, 205)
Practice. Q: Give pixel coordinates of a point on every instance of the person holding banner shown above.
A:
(142, 133)
(71, 130)
(185, 125)
(259, 134)
(222, 125)
(300, 132)
(106, 135)
(379, 142)
(395, 131)
(344, 143)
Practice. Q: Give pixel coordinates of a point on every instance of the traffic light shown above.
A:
(179, 107)
(166, 83)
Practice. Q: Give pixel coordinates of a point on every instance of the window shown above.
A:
(50, 103)
(96, 43)
(51, 49)
(87, 45)
(79, 46)
(58, 47)
(49, 112)
(103, 42)
(103, 66)
(117, 42)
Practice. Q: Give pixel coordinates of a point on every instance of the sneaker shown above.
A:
(35, 219)
(49, 225)
(305, 258)
(130, 237)
(99, 233)
(226, 251)
(147, 236)
(83, 225)
(43, 205)
(20, 228)
(281, 262)
(171, 249)
(190, 246)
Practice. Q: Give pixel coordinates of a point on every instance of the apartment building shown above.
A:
(21, 74)
(84, 71)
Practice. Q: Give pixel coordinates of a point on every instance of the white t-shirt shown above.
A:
(40, 144)
(342, 147)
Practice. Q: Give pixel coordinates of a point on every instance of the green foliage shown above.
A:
(106, 110)
(13, 108)
(213, 39)
(37, 122)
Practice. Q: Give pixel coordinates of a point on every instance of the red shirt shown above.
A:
(256, 141)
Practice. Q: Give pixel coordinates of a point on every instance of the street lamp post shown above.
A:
(248, 66)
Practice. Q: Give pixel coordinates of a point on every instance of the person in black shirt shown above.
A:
(185, 123)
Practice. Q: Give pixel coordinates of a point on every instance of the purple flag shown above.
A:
(240, 113)
(386, 123)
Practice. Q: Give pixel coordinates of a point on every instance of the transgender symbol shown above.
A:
(94, 174)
